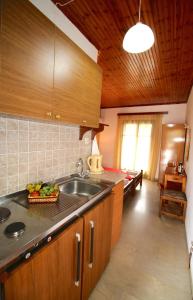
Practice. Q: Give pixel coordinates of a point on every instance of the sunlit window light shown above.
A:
(170, 125)
(136, 143)
(167, 155)
(179, 139)
(141, 206)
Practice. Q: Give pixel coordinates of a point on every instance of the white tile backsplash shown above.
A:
(12, 124)
(32, 151)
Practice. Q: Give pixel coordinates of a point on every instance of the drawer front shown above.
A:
(175, 178)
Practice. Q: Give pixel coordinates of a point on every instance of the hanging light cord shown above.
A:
(64, 4)
(139, 10)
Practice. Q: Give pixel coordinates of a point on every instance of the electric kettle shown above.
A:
(95, 164)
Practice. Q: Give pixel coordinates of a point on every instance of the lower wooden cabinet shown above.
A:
(69, 267)
(117, 205)
(97, 244)
(52, 273)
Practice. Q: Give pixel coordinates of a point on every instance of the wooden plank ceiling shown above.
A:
(161, 75)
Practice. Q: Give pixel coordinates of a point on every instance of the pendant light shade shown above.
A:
(138, 38)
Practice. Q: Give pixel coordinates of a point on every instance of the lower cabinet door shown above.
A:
(117, 205)
(53, 273)
(97, 244)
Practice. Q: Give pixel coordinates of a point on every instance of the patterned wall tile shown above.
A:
(32, 151)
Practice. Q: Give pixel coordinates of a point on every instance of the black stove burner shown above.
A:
(15, 229)
(4, 214)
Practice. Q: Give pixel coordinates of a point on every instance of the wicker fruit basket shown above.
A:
(42, 193)
(39, 199)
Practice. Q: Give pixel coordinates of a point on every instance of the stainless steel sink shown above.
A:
(75, 193)
(79, 188)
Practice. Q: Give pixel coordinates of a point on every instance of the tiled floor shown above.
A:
(150, 260)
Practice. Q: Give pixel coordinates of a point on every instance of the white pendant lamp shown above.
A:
(139, 37)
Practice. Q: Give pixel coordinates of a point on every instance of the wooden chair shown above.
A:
(173, 203)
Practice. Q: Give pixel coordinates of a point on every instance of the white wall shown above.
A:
(189, 171)
(176, 114)
(49, 9)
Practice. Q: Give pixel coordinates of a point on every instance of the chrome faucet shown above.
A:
(80, 167)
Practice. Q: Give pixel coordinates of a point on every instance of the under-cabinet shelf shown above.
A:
(84, 129)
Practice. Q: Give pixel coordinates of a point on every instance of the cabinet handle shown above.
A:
(57, 116)
(49, 114)
(84, 121)
(91, 251)
(78, 251)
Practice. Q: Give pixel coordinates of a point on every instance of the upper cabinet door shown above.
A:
(77, 84)
(27, 60)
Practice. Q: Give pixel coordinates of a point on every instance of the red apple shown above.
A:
(35, 194)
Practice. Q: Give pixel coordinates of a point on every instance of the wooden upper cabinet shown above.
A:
(43, 74)
(27, 60)
(77, 84)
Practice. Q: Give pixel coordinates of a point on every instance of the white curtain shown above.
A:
(136, 142)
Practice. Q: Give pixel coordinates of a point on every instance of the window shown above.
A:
(138, 142)
(136, 145)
